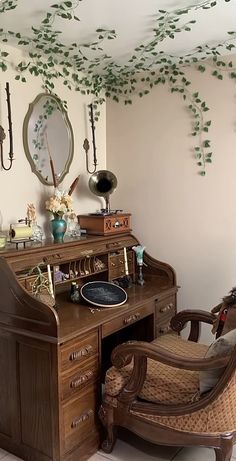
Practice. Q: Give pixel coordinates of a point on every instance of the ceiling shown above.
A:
(133, 21)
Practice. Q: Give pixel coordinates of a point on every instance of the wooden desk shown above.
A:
(52, 361)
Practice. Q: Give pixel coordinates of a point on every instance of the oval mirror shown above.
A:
(48, 138)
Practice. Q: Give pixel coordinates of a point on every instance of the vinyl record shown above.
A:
(103, 294)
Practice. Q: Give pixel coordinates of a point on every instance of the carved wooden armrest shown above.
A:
(179, 321)
(123, 353)
(141, 351)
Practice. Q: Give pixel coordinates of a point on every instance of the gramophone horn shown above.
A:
(103, 183)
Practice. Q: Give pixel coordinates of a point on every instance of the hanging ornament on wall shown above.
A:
(86, 146)
(3, 136)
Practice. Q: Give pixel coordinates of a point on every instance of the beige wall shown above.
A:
(20, 186)
(181, 217)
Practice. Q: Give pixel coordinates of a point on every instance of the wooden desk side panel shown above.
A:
(154, 267)
(20, 311)
(29, 425)
(8, 398)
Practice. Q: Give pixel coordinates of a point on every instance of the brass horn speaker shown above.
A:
(103, 183)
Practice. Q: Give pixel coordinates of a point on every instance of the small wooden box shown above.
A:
(106, 225)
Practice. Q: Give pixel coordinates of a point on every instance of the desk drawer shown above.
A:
(165, 308)
(119, 260)
(127, 319)
(77, 351)
(78, 419)
(73, 382)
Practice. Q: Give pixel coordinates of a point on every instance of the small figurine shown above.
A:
(37, 233)
(58, 275)
(75, 296)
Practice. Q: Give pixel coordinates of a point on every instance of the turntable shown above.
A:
(105, 221)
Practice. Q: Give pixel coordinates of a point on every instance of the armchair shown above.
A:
(152, 389)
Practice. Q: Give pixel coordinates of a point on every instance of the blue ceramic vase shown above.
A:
(58, 228)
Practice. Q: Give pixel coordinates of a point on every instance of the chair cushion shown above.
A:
(219, 348)
(163, 384)
(215, 418)
(170, 385)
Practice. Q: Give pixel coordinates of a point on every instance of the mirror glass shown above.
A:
(48, 138)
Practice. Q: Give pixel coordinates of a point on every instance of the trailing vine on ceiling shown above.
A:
(85, 67)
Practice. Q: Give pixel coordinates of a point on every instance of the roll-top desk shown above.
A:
(52, 361)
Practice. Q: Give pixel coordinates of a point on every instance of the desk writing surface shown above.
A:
(76, 319)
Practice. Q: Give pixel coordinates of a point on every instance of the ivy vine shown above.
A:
(49, 107)
(86, 68)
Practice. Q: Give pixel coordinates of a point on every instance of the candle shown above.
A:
(126, 262)
(50, 281)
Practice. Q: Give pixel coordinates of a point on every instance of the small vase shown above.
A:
(58, 228)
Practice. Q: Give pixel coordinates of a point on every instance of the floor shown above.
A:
(132, 448)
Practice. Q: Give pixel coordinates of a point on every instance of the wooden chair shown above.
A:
(152, 390)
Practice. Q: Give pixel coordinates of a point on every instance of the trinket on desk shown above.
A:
(75, 296)
(139, 249)
(20, 232)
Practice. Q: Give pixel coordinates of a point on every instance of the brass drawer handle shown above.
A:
(132, 318)
(49, 258)
(84, 417)
(111, 245)
(81, 380)
(76, 355)
(166, 308)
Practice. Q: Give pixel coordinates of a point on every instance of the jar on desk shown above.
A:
(3, 240)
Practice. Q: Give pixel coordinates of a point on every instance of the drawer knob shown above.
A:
(166, 308)
(76, 355)
(132, 318)
(84, 417)
(81, 380)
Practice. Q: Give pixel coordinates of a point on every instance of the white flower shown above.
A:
(60, 203)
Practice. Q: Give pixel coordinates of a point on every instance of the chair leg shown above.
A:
(107, 419)
(224, 453)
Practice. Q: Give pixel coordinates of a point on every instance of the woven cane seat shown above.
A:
(168, 385)
(163, 383)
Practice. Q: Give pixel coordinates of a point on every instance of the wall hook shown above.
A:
(3, 136)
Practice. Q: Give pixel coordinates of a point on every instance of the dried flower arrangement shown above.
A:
(59, 204)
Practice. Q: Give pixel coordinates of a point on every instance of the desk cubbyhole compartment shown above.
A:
(80, 268)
